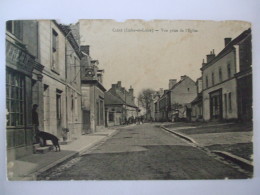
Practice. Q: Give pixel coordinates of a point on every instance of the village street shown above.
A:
(144, 152)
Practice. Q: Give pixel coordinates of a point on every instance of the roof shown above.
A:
(229, 47)
(126, 100)
(178, 83)
(111, 99)
(197, 99)
(67, 31)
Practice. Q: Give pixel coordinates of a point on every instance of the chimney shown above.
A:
(172, 82)
(183, 77)
(227, 41)
(85, 49)
(203, 62)
(210, 56)
(131, 91)
(118, 83)
(161, 92)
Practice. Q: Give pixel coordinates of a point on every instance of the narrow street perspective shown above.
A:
(144, 152)
(133, 100)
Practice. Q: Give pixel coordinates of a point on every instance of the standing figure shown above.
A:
(35, 122)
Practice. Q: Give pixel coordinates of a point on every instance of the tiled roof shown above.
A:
(111, 99)
(126, 99)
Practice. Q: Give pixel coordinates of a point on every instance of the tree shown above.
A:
(145, 99)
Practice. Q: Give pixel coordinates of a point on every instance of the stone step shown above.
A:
(65, 142)
(43, 150)
(35, 146)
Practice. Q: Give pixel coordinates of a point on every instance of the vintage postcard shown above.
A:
(133, 100)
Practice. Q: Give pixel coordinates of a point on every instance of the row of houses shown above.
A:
(223, 92)
(120, 105)
(46, 66)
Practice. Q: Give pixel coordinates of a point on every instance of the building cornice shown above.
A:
(95, 82)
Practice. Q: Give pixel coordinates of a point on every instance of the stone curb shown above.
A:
(34, 175)
(246, 164)
(180, 135)
(236, 159)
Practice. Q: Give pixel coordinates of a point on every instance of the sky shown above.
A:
(149, 58)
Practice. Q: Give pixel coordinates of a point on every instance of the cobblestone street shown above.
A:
(144, 152)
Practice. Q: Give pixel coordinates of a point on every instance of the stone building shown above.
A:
(92, 93)
(196, 104)
(20, 65)
(120, 105)
(244, 78)
(220, 100)
(156, 96)
(174, 102)
(73, 84)
(42, 67)
(114, 108)
(157, 114)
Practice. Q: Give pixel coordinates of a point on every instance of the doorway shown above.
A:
(216, 105)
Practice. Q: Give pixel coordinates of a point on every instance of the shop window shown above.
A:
(15, 99)
(111, 117)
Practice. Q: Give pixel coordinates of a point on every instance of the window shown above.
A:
(72, 102)
(54, 50)
(75, 69)
(54, 40)
(97, 113)
(15, 99)
(230, 102)
(101, 112)
(15, 27)
(225, 103)
(188, 89)
(228, 71)
(213, 79)
(111, 117)
(220, 74)
(58, 105)
(207, 82)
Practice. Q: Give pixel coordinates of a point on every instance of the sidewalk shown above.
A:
(230, 140)
(27, 168)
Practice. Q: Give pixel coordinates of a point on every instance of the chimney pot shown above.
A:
(210, 56)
